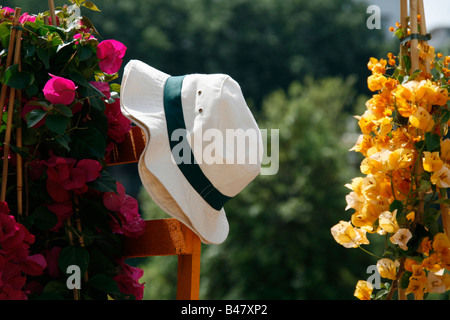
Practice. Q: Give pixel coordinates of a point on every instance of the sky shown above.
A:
(437, 12)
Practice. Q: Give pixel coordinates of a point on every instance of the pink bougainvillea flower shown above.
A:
(34, 265)
(62, 209)
(7, 11)
(59, 90)
(110, 54)
(65, 174)
(83, 37)
(118, 124)
(52, 257)
(131, 224)
(91, 169)
(103, 87)
(128, 280)
(26, 17)
(15, 261)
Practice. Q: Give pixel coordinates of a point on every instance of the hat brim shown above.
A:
(142, 102)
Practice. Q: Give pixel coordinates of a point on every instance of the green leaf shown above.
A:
(430, 218)
(79, 79)
(56, 123)
(43, 218)
(56, 287)
(433, 142)
(115, 87)
(34, 116)
(404, 281)
(104, 283)
(17, 80)
(415, 74)
(63, 141)
(91, 6)
(89, 142)
(84, 52)
(442, 201)
(445, 116)
(396, 205)
(74, 255)
(64, 110)
(44, 56)
(97, 103)
(4, 34)
(106, 183)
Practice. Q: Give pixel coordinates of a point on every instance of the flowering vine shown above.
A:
(75, 212)
(406, 166)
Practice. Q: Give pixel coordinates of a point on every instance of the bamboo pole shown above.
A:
(423, 31)
(19, 177)
(414, 41)
(12, 95)
(9, 58)
(51, 6)
(404, 13)
(404, 25)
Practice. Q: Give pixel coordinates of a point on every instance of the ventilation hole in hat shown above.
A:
(200, 110)
(199, 93)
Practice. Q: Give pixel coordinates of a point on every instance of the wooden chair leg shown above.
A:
(188, 282)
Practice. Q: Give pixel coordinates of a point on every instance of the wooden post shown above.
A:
(423, 30)
(189, 268)
(9, 58)
(16, 36)
(414, 42)
(51, 6)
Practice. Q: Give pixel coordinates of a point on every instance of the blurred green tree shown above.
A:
(280, 246)
(264, 44)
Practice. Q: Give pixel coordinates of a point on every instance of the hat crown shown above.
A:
(223, 135)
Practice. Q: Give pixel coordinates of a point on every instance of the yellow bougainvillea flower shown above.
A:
(384, 126)
(445, 150)
(441, 245)
(411, 216)
(376, 82)
(422, 120)
(417, 282)
(367, 122)
(363, 290)
(388, 268)
(348, 236)
(405, 99)
(426, 52)
(401, 238)
(441, 242)
(388, 221)
(363, 144)
(441, 178)
(387, 160)
(431, 161)
(435, 283)
(409, 263)
(425, 246)
(432, 263)
(377, 66)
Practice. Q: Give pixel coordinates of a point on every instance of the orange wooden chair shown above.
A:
(162, 237)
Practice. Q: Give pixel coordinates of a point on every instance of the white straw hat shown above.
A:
(190, 165)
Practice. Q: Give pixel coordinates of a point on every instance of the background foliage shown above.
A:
(302, 66)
